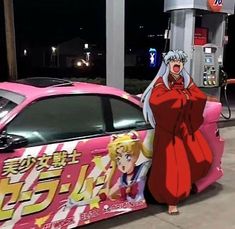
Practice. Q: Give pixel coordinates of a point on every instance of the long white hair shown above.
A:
(164, 73)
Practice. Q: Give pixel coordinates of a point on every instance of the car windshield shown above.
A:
(8, 101)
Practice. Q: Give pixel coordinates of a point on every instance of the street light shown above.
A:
(25, 52)
(53, 56)
(86, 46)
(53, 50)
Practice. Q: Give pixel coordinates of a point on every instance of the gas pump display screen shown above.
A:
(208, 60)
(207, 50)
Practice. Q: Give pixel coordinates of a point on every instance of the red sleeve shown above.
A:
(197, 100)
(166, 106)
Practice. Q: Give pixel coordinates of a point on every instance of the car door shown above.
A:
(68, 174)
(60, 175)
(130, 152)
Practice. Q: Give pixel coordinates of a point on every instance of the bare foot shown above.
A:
(173, 210)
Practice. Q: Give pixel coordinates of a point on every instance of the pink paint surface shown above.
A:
(209, 129)
(66, 207)
(59, 209)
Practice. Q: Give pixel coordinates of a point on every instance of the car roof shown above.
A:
(38, 87)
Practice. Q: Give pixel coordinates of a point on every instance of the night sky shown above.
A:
(50, 22)
(53, 21)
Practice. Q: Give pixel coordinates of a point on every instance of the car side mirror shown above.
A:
(10, 142)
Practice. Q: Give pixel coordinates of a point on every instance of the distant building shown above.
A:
(69, 52)
(77, 57)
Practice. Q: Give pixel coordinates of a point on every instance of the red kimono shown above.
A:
(181, 154)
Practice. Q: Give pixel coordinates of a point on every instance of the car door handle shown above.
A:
(99, 152)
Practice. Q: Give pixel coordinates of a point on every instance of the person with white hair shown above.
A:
(174, 106)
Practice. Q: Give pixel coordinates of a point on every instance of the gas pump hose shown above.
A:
(227, 82)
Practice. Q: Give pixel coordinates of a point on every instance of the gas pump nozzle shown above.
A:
(223, 82)
(223, 77)
(230, 81)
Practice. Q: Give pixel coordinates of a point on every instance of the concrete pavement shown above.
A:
(214, 208)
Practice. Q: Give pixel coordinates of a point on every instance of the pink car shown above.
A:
(74, 153)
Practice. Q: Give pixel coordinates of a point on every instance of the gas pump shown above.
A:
(198, 27)
(207, 64)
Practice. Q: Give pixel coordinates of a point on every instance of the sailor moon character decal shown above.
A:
(124, 152)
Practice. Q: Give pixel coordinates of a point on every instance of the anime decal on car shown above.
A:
(65, 185)
(124, 151)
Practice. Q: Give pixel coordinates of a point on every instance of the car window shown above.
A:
(8, 101)
(59, 118)
(126, 115)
